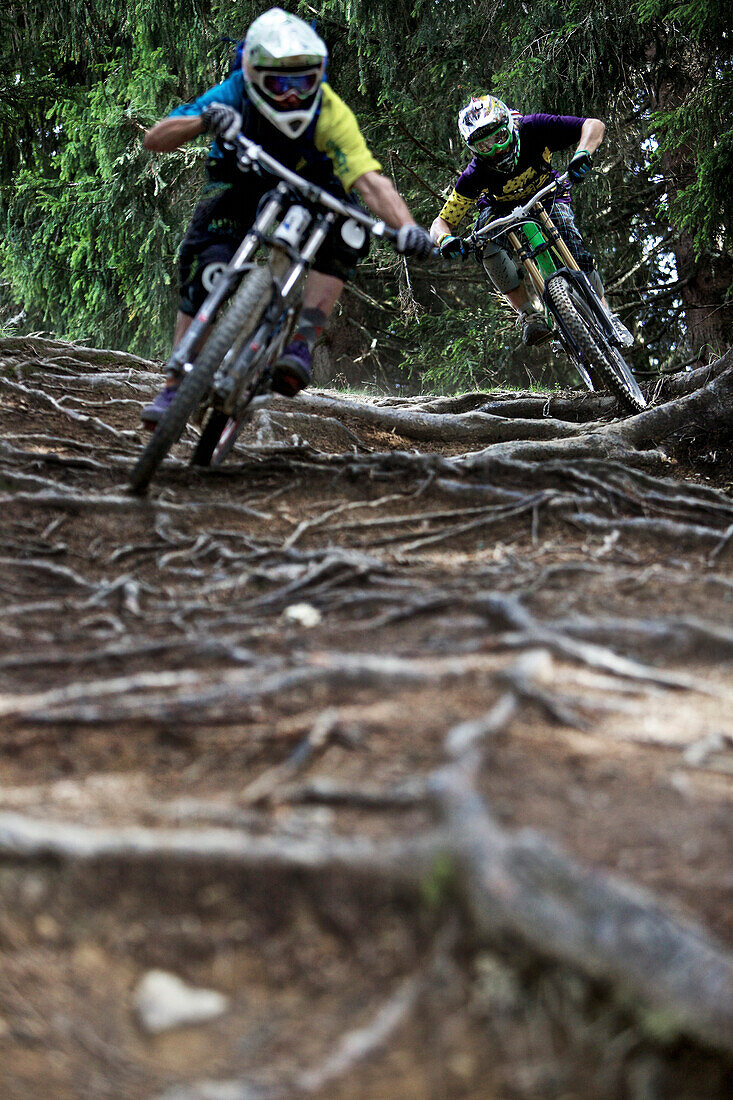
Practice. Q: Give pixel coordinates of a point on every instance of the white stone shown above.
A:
(305, 614)
(163, 1001)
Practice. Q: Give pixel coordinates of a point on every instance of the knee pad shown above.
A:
(500, 268)
(199, 272)
(345, 246)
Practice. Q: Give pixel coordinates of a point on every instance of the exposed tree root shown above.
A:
(523, 888)
(396, 619)
(516, 888)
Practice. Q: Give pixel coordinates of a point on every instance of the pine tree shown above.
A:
(92, 221)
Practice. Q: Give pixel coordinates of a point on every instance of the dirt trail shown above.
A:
(278, 650)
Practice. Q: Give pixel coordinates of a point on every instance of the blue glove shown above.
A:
(453, 248)
(579, 166)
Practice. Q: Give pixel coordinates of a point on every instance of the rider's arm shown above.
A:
(440, 229)
(184, 123)
(383, 199)
(454, 210)
(591, 134)
(337, 134)
(169, 133)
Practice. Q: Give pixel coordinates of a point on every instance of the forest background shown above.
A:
(92, 222)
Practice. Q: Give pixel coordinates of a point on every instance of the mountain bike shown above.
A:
(580, 322)
(262, 285)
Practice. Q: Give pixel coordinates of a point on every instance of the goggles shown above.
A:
(496, 143)
(281, 84)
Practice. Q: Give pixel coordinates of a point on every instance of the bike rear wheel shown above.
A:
(227, 439)
(245, 310)
(601, 358)
(218, 438)
(209, 438)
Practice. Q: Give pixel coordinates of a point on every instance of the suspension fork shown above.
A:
(540, 271)
(535, 275)
(287, 266)
(558, 243)
(285, 277)
(308, 253)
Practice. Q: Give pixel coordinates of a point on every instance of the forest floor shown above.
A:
(222, 705)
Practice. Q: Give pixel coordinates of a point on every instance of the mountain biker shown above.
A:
(280, 99)
(512, 156)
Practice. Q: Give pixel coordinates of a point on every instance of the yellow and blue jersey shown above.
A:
(331, 147)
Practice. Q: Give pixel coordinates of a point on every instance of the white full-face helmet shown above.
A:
(489, 130)
(284, 62)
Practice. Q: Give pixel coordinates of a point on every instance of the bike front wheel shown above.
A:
(600, 358)
(239, 321)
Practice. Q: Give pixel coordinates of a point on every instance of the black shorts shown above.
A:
(222, 217)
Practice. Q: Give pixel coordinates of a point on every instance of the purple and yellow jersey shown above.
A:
(332, 145)
(481, 185)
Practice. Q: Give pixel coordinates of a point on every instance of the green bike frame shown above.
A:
(543, 249)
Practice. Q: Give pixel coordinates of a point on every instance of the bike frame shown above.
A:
(251, 156)
(288, 265)
(545, 256)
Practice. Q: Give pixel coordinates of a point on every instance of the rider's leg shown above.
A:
(198, 274)
(505, 276)
(322, 292)
(183, 324)
(210, 242)
(152, 413)
(336, 262)
(503, 273)
(294, 369)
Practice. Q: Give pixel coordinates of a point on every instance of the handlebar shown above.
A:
(249, 153)
(519, 213)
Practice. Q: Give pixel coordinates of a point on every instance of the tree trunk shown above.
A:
(704, 276)
(705, 280)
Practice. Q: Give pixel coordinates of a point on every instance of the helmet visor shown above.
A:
(279, 84)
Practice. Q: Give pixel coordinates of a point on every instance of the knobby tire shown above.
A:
(225, 446)
(604, 361)
(210, 450)
(246, 306)
(210, 435)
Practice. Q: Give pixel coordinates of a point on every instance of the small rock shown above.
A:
(698, 752)
(163, 1001)
(305, 614)
(497, 987)
(463, 1065)
(33, 888)
(47, 928)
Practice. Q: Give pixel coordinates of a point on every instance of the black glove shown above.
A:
(579, 166)
(413, 240)
(453, 248)
(222, 120)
